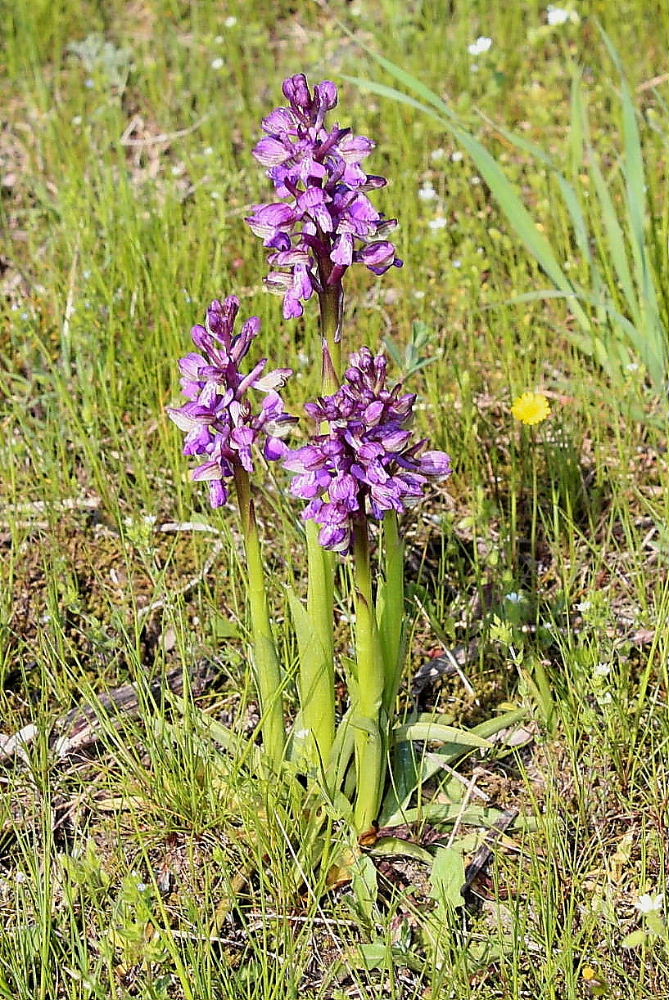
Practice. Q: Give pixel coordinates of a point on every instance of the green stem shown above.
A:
(391, 614)
(266, 661)
(317, 698)
(331, 302)
(369, 742)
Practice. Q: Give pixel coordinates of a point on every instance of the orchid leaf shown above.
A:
(447, 877)
(434, 732)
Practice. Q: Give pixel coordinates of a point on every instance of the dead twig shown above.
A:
(83, 726)
(487, 848)
(153, 140)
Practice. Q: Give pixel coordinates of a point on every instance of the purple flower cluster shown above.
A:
(219, 420)
(367, 461)
(326, 221)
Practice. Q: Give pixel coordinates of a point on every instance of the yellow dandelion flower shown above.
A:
(531, 408)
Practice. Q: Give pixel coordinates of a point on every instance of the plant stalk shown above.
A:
(317, 697)
(265, 659)
(370, 756)
(391, 613)
(317, 677)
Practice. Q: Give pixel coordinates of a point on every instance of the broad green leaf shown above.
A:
(430, 732)
(365, 885)
(376, 955)
(492, 726)
(316, 680)
(395, 846)
(447, 877)
(447, 813)
(635, 939)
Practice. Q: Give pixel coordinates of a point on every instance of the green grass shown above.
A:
(119, 867)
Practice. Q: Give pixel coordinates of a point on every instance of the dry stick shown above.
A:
(163, 136)
(69, 503)
(69, 311)
(174, 526)
(654, 81)
(471, 787)
(486, 850)
(82, 727)
(454, 663)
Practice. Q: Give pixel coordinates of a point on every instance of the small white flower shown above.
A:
(632, 367)
(457, 263)
(219, 39)
(230, 22)
(427, 193)
(142, 887)
(650, 904)
(476, 180)
(584, 606)
(457, 156)
(208, 150)
(481, 45)
(515, 597)
(419, 294)
(217, 63)
(602, 669)
(77, 120)
(438, 223)
(437, 154)
(558, 15)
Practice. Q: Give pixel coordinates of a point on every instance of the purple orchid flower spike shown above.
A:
(325, 222)
(367, 462)
(220, 422)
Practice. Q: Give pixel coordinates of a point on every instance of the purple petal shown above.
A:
(292, 307)
(435, 463)
(342, 251)
(273, 380)
(305, 459)
(271, 152)
(275, 449)
(381, 254)
(280, 120)
(354, 148)
(338, 539)
(326, 95)
(218, 493)
(267, 219)
(190, 365)
(296, 91)
(207, 471)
